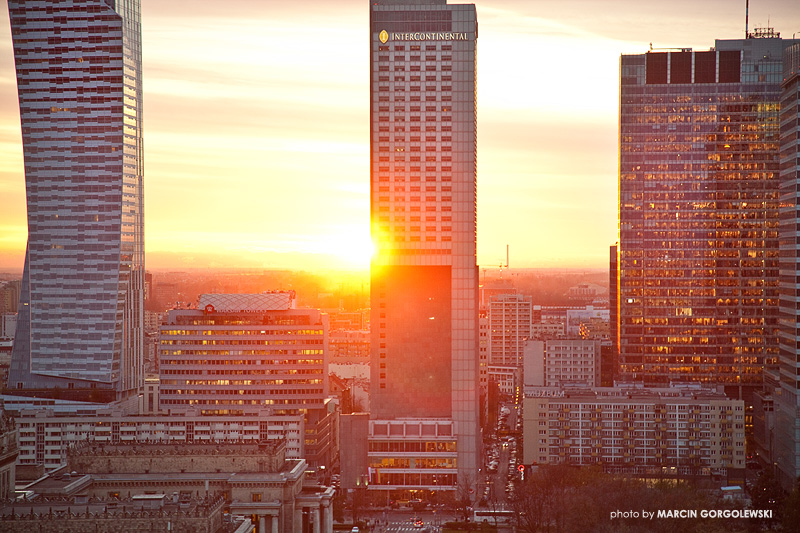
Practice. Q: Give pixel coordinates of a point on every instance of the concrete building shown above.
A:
(698, 214)
(255, 481)
(150, 405)
(658, 432)
(9, 296)
(412, 459)
(55, 512)
(582, 319)
(509, 328)
(45, 436)
(424, 275)
(557, 362)
(9, 451)
(547, 330)
(8, 325)
(79, 83)
(238, 353)
(507, 378)
(348, 345)
(241, 353)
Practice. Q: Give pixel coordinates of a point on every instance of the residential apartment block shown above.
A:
(676, 431)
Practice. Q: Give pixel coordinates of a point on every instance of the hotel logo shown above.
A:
(384, 36)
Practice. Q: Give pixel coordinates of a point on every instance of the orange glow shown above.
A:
(257, 129)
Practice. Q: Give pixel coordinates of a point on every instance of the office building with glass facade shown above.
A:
(424, 277)
(79, 80)
(699, 214)
(786, 395)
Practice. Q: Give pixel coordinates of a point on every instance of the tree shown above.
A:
(465, 491)
(791, 510)
(766, 494)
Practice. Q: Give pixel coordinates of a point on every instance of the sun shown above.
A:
(352, 246)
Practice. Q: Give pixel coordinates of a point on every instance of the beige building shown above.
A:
(237, 354)
(45, 436)
(509, 328)
(349, 345)
(673, 431)
(557, 362)
(254, 481)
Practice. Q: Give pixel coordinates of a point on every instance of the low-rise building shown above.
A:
(410, 459)
(253, 480)
(676, 431)
(45, 436)
(507, 378)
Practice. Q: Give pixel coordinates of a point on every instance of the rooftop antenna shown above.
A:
(746, 19)
(502, 266)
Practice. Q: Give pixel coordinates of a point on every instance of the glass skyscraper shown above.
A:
(79, 75)
(424, 322)
(699, 214)
(786, 394)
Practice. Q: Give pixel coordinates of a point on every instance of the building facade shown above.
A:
(424, 277)
(79, 81)
(412, 459)
(557, 362)
(655, 432)
(9, 452)
(509, 328)
(242, 353)
(698, 214)
(157, 487)
(46, 436)
(786, 394)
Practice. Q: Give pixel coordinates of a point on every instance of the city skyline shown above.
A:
(278, 108)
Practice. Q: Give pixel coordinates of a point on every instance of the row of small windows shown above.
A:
(416, 48)
(253, 332)
(206, 362)
(403, 57)
(288, 401)
(231, 372)
(242, 392)
(413, 129)
(245, 382)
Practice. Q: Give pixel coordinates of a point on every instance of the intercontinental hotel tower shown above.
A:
(424, 359)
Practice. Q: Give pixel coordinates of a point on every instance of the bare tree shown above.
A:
(466, 493)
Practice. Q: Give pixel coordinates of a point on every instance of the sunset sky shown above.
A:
(256, 121)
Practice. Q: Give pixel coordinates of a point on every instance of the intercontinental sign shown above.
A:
(424, 36)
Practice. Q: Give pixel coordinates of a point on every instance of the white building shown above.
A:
(669, 431)
(509, 328)
(577, 317)
(558, 362)
(45, 436)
